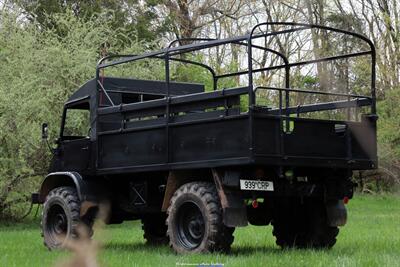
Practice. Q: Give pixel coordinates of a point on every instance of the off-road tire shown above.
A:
(61, 218)
(303, 225)
(197, 204)
(155, 229)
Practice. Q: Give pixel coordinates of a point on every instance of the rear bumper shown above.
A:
(337, 189)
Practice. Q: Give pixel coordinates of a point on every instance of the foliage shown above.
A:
(137, 18)
(39, 70)
(389, 139)
(389, 123)
(182, 72)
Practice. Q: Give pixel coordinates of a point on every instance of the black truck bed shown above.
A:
(208, 130)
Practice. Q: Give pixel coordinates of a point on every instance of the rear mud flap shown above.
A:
(234, 209)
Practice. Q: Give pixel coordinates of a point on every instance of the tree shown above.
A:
(190, 17)
(138, 18)
(42, 69)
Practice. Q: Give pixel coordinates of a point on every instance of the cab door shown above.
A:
(75, 146)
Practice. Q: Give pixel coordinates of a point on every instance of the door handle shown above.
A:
(85, 148)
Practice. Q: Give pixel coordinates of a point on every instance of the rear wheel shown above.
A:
(303, 225)
(195, 220)
(61, 218)
(155, 229)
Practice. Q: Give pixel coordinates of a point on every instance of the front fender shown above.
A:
(57, 179)
(91, 193)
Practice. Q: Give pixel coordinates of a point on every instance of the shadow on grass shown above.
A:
(249, 250)
(235, 251)
(140, 247)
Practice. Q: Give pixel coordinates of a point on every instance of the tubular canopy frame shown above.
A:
(203, 43)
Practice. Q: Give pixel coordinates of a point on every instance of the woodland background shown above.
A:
(49, 48)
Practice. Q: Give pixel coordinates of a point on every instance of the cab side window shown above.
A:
(77, 122)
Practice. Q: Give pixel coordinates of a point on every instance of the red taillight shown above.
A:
(345, 200)
(254, 203)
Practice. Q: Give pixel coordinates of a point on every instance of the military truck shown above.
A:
(192, 164)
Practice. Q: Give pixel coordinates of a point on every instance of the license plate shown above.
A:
(256, 185)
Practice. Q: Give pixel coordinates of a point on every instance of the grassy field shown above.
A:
(371, 238)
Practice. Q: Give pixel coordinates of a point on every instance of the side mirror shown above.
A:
(57, 141)
(45, 131)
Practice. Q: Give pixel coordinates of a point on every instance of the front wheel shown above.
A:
(61, 218)
(195, 220)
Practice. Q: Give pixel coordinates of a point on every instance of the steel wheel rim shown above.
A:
(190, 225)
(57, 223)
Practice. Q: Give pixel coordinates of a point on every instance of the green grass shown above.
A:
(371, 238)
